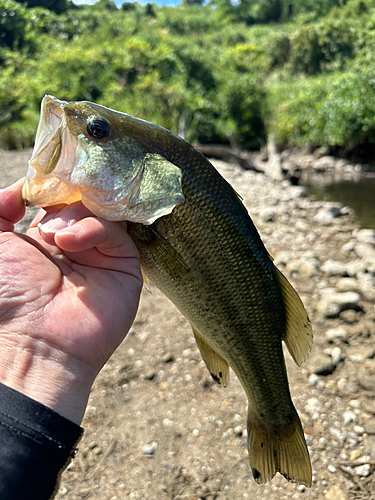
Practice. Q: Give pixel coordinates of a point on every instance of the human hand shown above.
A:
(69, 292)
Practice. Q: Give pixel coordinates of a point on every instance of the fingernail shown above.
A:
(74, 230)
(53, 225)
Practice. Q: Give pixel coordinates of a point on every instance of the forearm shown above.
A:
(36, 445)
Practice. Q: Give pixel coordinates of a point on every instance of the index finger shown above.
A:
(12, 208)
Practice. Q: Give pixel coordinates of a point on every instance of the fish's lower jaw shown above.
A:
(282, 450)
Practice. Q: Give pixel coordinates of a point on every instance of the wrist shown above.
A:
(46, 374)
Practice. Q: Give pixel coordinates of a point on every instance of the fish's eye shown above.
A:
(98, 129)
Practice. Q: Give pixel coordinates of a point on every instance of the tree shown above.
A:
(57, 6)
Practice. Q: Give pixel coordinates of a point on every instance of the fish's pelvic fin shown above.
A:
(217, 366)
(298, 332)
(282, 450)
(146, 282)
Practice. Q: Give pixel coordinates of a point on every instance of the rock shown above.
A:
(363, 470)
(322, 364)
(349, 316)
(333, 302)
(337, 333)
(348, 247)
(366, 381)
(320, 152)
(360, 352)
(366, 284)
(369, 446)
(282, 258)
(369, 406)
(267, 214)
(358, 429)
(336, 355)
(366, 252)
(313, 405)
(349, 416)
(324, 164)
(294, 193)
(304, 267)
(149, 449)
(355, 454)
(238, 430)
(335, 493)
(333, 268)
(347, 284)
(370, 426)
(326, 215)
(356, 267)
(366, 236)
(313, 380)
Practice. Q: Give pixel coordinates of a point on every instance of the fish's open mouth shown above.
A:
(47, 180)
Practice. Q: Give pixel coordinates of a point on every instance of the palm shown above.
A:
(80, 302)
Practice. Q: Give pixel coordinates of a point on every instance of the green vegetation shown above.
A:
(226, 72)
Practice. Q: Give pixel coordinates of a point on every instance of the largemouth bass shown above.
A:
(198, 245)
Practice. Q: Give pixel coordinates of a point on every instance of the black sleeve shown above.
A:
(36, 444)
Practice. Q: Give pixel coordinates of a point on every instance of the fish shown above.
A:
(199, 246)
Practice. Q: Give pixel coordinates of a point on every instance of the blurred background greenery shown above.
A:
(227, 71)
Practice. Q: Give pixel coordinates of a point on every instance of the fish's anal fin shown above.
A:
(298, 332)
(282, 450)
(217, 366)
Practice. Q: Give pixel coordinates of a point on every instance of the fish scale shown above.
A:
(198, 245)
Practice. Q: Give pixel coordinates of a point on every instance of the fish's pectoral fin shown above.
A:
(298, 332)
(282, 449)
(217, 366)
(163, 252)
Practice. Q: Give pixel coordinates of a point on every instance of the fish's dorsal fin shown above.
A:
(298, 332)
(216, 365)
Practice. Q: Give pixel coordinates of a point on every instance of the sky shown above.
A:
(142, 2)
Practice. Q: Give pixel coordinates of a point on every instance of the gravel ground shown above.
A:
(157, 427)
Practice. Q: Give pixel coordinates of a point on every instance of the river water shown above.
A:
(359, 195)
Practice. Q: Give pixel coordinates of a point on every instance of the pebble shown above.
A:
(370, 426)
(326, 215)
(335, 493)
(336, 355)
(360, 352)
(149, 449)
(333, 268)
(332, 468)
(238, 430)
(322, 364)
(337, 333)
(349, 416)
(365, 252)
(363, 470)
(366, 236)
(358, 429)
(313, 404)
(313, 379)
(267, 214)
(336, 433)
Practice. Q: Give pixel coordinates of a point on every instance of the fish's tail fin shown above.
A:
(281, 450)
